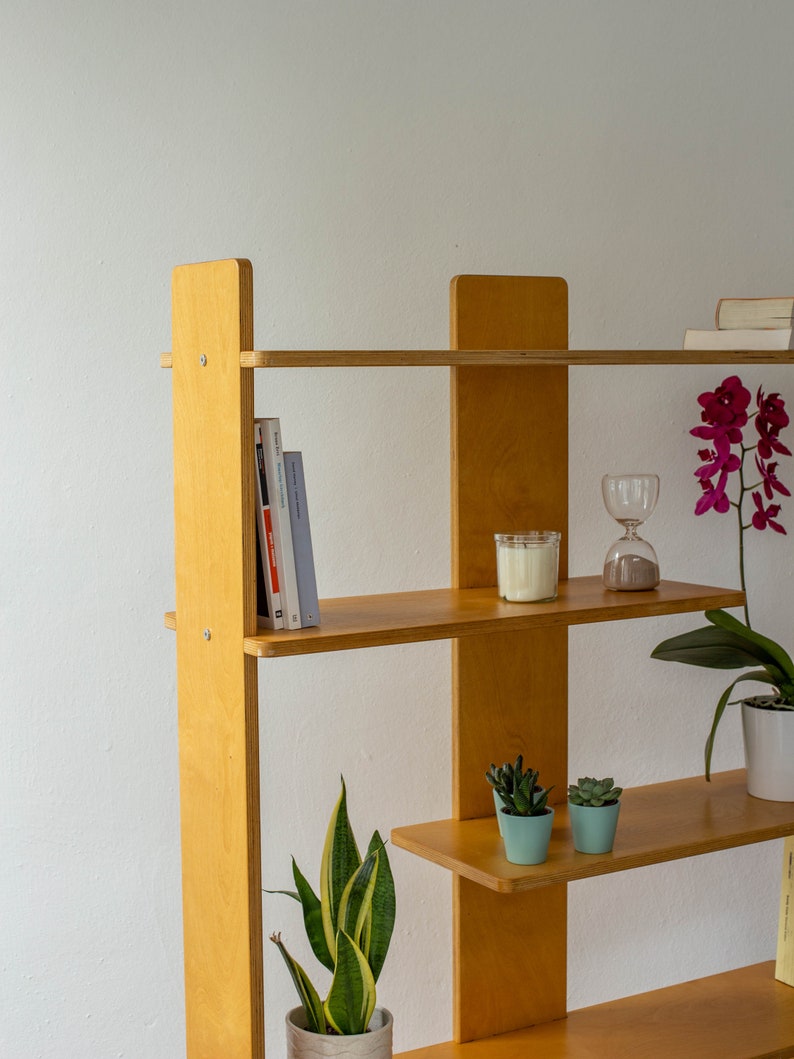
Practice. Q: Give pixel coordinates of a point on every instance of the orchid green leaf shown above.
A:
(778, 657)
(713, 648)
(760, 676)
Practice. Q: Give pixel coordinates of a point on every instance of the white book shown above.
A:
(268, 609)
(302, 540)
(282, 532)
(755, 312)
(744, 338)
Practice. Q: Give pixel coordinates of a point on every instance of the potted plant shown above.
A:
(503, 782)
(593, 809)
(726, 642)
(349, 927)
(525, 816)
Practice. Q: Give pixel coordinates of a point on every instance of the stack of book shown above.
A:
(747, 323)
(286, 581)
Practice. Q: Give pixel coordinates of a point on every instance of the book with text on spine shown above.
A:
(279, 509)
(301, 539)
(268, 595)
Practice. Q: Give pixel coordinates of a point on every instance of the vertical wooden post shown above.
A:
(216, 685)
(509, 474)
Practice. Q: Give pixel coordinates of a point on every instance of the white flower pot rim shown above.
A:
(375, 1043)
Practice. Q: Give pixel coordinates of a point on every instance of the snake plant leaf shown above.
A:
(312, 918)
(351, 999)
(778, 657)
(760, 675)
(384, 908)
(339, 861)
(309, 997)
(356, 904)
(713, 648)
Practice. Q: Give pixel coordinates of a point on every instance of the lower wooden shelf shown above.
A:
(741, 1014)
(658, 822)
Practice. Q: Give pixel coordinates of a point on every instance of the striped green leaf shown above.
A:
(339, 862)
(309, 997)
(312, 918)
(351, 999)
(382, 913)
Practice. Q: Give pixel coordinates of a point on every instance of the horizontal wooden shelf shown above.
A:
(444, 613)
(660, 822)
(735, 1015)
(423, 358)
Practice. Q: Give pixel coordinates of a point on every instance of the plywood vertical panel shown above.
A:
(216, 684)
(509, 473)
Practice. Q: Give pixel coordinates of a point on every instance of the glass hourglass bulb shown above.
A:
(631, 564)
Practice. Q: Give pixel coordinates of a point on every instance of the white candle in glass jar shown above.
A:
(526, 565)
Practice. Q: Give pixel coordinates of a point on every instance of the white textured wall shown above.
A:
(360, 153)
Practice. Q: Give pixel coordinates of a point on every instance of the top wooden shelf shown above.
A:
(419, 358)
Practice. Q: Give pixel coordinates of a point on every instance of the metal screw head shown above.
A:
(203, 360)
(207, 634)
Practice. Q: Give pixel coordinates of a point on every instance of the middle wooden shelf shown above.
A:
(658, 822)
(352, 622)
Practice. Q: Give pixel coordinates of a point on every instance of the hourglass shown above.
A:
(631, 564)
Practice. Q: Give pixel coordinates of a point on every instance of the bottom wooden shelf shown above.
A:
(742, 1014)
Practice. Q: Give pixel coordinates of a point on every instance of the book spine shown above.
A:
(269, 609)
(282, 533)
(784, 964)
(302, 539)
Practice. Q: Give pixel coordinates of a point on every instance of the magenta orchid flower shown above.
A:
(763, 517)
(726, 408)
(769, 478)
(724, 414)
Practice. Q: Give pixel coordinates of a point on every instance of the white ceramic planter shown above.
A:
(376, 1043)
(769, 752)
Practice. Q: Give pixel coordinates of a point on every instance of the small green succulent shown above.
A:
(519, 791)
(594, 792)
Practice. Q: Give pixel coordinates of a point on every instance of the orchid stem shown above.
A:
(740, 504)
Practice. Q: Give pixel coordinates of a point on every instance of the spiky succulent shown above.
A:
(594, 792)
(519, 791)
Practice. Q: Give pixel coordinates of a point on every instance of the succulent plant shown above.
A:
(594, 792)
(519, 791)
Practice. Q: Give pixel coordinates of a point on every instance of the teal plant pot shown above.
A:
(527, 837)
(594, 826)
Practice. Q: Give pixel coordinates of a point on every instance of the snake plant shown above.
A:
(349, 927)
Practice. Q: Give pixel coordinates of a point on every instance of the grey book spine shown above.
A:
(302, 540)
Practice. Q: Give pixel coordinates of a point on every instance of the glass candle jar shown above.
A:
(527, 565)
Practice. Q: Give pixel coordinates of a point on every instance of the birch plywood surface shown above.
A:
(741, 1014)
(659, 822)
(216, 685)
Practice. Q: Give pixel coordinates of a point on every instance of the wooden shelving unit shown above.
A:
(509, 434)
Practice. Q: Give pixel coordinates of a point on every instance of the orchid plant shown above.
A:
(727, 643)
